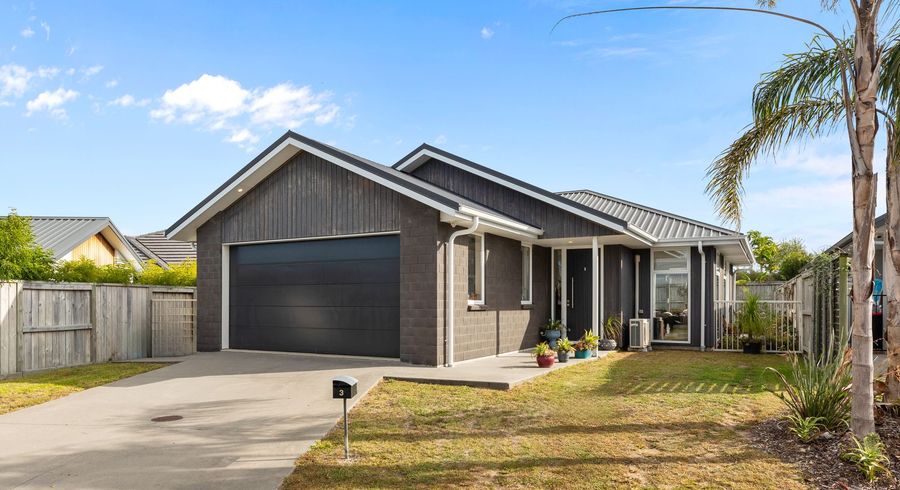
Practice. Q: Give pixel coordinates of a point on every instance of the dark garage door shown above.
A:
(337, 296)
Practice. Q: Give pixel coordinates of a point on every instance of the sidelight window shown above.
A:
(526, 274)
(671, 295)
(476, 269)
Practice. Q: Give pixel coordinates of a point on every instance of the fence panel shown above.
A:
(56, 325)
(174, 322)
(122, 323)
(786, 329)
(763, 290)
(9, 327)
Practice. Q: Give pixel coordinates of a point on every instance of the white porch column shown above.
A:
(595, 286)
(563, 273)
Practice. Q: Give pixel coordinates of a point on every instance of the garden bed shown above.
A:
(821, 460)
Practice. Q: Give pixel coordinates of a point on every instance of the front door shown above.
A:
(578, 292)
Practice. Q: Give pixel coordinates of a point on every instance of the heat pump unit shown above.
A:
(639, 334)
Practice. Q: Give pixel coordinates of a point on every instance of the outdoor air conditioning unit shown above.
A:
(639, 334)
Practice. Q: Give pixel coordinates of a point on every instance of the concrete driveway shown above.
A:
(246, 417)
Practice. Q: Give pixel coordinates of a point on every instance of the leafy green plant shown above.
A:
(553, 325)
(20, 256)
(869, 456)
(588, 341)
(612, 327)
(542, 349)
(183, 274)
(565, 345)
(753, 318)
(805, 428)
(819, 386)
(85, 270)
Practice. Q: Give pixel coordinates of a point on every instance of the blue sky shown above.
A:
(138, 110)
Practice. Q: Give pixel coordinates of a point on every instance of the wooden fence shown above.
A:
(50, 325)
(770, 290)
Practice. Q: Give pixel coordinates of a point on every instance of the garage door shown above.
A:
(337, 296)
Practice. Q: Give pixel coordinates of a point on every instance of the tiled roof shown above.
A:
(165, 252)
(660, 224)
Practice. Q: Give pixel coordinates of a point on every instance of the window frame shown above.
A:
(479, 270)
(530, 282)
(653, 274)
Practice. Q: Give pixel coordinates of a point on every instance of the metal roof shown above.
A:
(155, 246)
(62, 234)
(660, 224)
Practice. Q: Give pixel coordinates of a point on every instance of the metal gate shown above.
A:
(786, 329)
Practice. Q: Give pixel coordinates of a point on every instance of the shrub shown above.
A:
(805, 428)
(753, 318)
(612, 328)
(85, 270)
(20, 256)
(869, 456)
(184, 274)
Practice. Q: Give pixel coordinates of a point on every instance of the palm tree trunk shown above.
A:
(891, 302)
(865, 84)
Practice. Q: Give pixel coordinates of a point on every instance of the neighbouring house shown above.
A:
(163, 251)
(73, 238)
(312, 249)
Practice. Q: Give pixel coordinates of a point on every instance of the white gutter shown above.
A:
(451, 266)
(702, 295)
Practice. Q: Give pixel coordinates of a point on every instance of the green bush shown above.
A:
(85, 270)
(183, 274)
(818, 389)
(869, 456)
(20, 256)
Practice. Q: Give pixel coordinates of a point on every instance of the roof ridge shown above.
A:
(651, 209)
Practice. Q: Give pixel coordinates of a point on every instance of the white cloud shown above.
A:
(71, 50)
(111, 84)
(51, 102)
(440, 140)
(70, 71)
(14, 80)
(91, 71)
(218, 103)
(128, 100)
(46, 27)
(27, 32)
(47, 71)
(621, 52)
(487, 33)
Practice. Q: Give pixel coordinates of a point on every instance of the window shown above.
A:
(671, 290)
(526, 274)
(476, 269)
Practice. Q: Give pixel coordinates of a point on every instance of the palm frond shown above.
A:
(812, 74)
(789, 123)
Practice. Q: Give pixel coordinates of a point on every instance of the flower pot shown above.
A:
(552, 336)
(545, 361)
(608, 344)
(562, 356)
(582, 354)
(752, 347)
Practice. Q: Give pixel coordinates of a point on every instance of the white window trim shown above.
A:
(686, 250)
(530, 273)
(479, 301)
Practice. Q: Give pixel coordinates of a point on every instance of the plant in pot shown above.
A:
(564, 347)
(586, 345)
(552, 332)
(544, 354)
(753, 321)
(612, 329)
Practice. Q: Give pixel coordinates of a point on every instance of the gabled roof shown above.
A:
(453, 207)
(165, 252)
(62, 234)
(660, 224)
(843, 245)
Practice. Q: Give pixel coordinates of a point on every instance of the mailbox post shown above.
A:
(344, 387)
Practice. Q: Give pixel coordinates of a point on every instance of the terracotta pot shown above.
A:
(546, 361)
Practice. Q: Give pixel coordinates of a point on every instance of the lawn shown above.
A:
(38, 388)
(660, 419)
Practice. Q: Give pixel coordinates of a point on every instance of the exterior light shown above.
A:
(240, 190)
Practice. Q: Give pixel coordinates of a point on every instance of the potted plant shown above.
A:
(612, 329)
(564, 347)
(586, 345)
(544, 354)
(753, 322)
(552, 332)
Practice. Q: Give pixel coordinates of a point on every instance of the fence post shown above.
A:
(20, 334)
(843, 293)
(92, 304)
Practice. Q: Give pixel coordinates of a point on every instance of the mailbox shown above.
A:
(343, 387)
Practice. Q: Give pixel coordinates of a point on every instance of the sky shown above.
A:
(138, 110)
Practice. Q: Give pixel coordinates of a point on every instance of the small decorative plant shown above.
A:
(612, 329)
(564, 347)
(753, 320)
(869, 456)
(544, 354)
(586, 344)
(805, 428)
(553, 325)
(552, 332)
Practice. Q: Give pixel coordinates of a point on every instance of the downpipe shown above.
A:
(702, 295)
(449, 303)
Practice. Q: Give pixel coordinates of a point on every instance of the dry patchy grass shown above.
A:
(662, 419)
(38, 388)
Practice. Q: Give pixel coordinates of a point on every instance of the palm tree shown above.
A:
(860, 115)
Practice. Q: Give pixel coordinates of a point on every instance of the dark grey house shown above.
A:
(311, 249)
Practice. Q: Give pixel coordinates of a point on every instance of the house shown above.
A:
(161, 250)
(73, 238)
(309, 248)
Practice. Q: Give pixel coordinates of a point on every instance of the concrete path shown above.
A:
(246, 417)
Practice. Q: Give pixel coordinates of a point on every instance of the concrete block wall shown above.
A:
(209, 285)
(420, 341)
